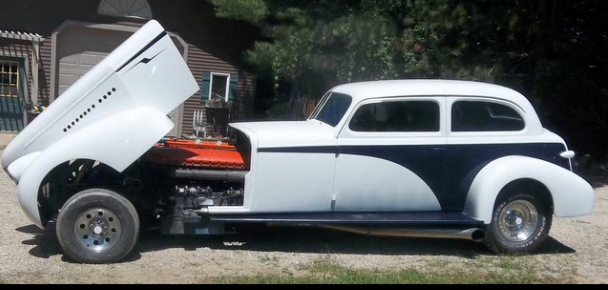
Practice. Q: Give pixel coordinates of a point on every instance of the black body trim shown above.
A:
(323, 149)
(152, 43)
(421, 218)
(449, 170)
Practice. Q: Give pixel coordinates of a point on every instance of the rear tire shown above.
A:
(97, 226)
(520, 224)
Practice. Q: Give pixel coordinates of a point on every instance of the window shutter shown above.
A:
(206, 86)
(234, 88)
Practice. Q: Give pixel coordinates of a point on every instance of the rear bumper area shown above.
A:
(580, 201)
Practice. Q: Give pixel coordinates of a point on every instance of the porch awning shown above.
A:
(35, 37)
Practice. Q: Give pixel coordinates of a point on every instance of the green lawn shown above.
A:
(329, 273)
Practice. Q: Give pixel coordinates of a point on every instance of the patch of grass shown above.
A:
(323, 266)
(328, 272)
(507, 265)
(513, 263)
(269, 260)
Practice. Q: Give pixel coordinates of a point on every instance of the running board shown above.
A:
(353, 218)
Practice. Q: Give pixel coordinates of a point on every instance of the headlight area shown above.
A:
(16, 169)
(15, 180)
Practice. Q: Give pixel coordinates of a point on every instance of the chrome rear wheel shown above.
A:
(518, 221)
(520, 224)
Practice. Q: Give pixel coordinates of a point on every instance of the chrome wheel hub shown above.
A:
(98, 229)
(518, 221)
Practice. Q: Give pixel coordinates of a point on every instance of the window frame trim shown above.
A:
(227, 96)
(320, 105)
(439, 100)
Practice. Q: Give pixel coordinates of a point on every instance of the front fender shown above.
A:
(117, 142)
(572, 195)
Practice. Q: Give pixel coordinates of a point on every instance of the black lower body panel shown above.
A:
(419, 218)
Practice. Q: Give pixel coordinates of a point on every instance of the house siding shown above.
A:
(215, 45)
(45, 70)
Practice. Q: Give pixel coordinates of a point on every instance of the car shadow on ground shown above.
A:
(318, 241)
(290, 240)
(44, 241)
(46, 245)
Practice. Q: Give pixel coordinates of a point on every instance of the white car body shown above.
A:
(302, 156)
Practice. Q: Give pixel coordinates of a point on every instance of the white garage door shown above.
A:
(79, 49)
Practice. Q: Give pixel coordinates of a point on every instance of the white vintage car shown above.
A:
(435, 159)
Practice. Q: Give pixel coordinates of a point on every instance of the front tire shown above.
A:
(98, 226)
(520, 224)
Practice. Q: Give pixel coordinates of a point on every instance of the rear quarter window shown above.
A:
(475, 116)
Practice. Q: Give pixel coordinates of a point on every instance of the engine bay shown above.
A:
(173, 184)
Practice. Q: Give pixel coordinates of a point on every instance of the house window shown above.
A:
(9, 79)
(125, 8)
(219, 87)
(12, 80)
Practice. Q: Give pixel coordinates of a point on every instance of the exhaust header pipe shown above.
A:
(474, 234)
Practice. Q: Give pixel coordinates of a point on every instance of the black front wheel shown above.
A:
(520, 224)
(97, 226)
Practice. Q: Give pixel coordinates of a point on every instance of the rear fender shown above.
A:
(572, 195)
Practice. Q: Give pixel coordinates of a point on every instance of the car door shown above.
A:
(391, 156)
(481, 130)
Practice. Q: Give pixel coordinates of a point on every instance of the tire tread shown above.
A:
(64, 228)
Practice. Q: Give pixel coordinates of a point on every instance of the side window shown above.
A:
(470, 116)
(402, 116)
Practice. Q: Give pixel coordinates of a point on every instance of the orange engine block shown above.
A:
(185, 153)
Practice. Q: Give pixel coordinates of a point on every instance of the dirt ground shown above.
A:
(576, 252)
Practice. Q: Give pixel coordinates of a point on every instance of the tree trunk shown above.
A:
(293, 108)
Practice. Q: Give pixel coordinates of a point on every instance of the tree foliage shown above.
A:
(553, 51)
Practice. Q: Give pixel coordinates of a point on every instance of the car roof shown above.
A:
(403, 88)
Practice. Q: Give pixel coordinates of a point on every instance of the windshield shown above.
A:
(332, 108)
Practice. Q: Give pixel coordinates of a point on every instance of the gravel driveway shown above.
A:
(576, 252)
